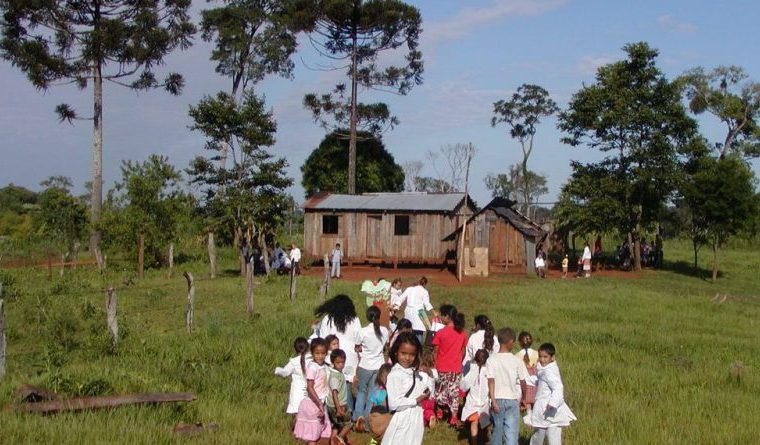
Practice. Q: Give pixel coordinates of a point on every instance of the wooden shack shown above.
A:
(510, 237)
(389, 228)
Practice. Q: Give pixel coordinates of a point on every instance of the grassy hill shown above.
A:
(652, 359)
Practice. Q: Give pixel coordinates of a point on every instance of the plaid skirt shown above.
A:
(528, 391)
(447, 390)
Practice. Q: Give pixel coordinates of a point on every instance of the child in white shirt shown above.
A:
(296, 370)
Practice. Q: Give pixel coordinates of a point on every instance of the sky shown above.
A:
(475, 53)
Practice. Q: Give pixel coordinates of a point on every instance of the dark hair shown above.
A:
(339, 309)
(337, 353)
(403, 324)
(373, 316)
(506, 335)
(485, 324)
(330, 338)
(523, 334)
(480, 357)
(547, 348)
(449, 310)
(408, 338)
(317, 342)
(396, 280)
(384, 370)
(423, 281)
(301, 345)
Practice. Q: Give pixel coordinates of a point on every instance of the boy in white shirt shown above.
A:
(295, 258)
(504, 370)
(335, 256)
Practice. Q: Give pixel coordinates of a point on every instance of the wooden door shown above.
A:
(497, 243)
(374, 236)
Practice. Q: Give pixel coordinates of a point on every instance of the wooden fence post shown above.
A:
(140, 256)
(50, 267)
(190, 302)
(100, 260)
(171, 259)
(292, 284)
(249, 290)
(212, 254)
(113, 323)
(2, 334)
(325, 280)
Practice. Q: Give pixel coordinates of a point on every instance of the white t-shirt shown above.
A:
(506, 370)
(372, 357)
(337, 255)
(347, 339)
(416, 297)
(540, 262)
(295, 254)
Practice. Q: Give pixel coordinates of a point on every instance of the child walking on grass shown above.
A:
(505, 372)
(337, 400)
(476, 404)
(550, 412)
(296, 370)
(312, 422)
(529, 357)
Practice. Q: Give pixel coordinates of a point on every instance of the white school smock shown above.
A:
(347, 339)
(549, 392)
(407, 426)
(476, 382)
(416, 297)
(297, 381)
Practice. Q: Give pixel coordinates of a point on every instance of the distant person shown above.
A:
(335, 258)
(565, 266)
(551, 413)
(295, 259)
(586, 260)
(540, 266)
(505, 372)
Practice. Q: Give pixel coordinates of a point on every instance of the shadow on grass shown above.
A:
(687, 268)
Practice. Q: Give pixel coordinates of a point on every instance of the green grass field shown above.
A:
(644, 360)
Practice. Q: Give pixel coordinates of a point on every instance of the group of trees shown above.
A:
(654, 155)
(123, 43)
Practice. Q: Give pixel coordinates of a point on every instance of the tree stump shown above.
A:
(292, 284)
(249, 290)
(212, 254)
(190, 302)
(113, 323)
(171, 259)
(323, 289)
(2, 334)
(141, 256)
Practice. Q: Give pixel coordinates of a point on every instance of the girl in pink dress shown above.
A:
(312, 422)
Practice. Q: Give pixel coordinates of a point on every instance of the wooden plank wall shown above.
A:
(423, 244)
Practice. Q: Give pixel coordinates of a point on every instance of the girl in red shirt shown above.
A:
(449, 344)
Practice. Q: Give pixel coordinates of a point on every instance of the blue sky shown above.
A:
(476, 52)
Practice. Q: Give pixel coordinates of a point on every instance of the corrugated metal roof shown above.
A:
(407, 201)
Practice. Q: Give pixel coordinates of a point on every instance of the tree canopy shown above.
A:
(355, 33)
(634, 116)
(324, 169)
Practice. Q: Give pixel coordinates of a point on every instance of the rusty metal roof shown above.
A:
(405, 201)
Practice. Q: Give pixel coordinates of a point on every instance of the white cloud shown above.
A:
(672, 24)
(470, 19)
(589, 64)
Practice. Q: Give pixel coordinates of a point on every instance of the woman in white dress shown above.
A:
(407, 388)
(550, 412)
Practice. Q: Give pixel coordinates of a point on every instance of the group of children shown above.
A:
(416, 387)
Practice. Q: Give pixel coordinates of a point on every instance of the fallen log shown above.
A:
(84, 403)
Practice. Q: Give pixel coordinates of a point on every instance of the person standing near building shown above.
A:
(335, 257)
